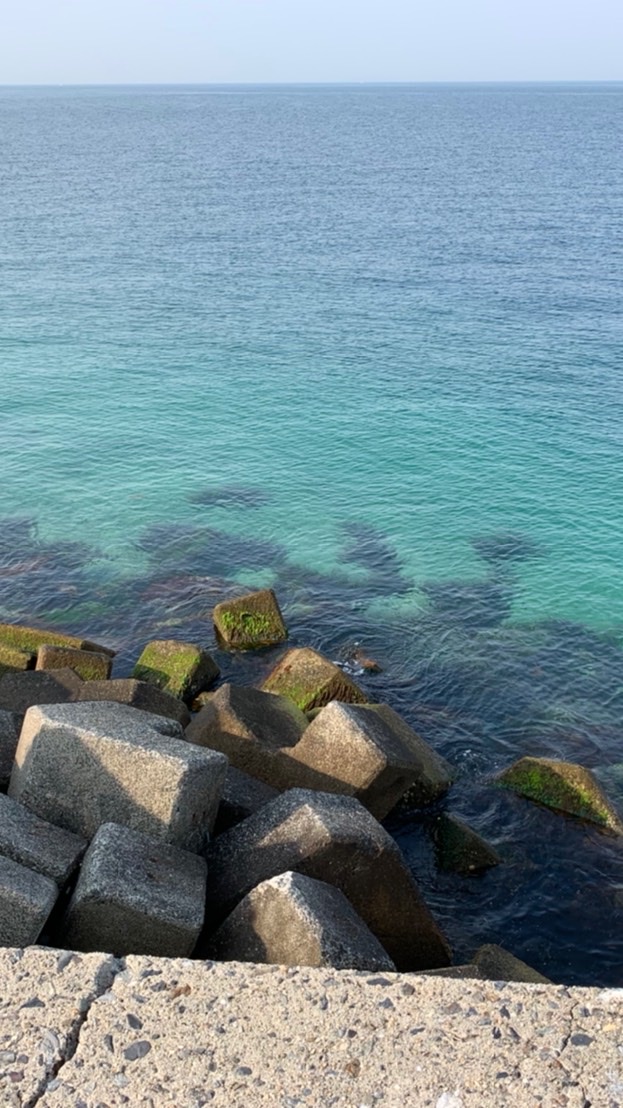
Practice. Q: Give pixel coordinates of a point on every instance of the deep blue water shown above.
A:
(363, 344)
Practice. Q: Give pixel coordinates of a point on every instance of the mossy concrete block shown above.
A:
(310, 680)
(355, 752)
(37, 844)
(13, 660)
(434, 775)
(459, 849)
(293, 920)
(137, 694)
(136, 895)
(251, 727)
(333, 839)
(29, 639)
(26, 900)
(88, 664)
(497, 964)
(9, 735)
(243, 795)
(81, 765)
(21, 691)
(563, 786)
(180, 668)
(249, 622)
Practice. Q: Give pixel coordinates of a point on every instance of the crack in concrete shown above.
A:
(104, 981)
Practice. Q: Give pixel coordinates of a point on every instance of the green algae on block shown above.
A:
(563, 786)
(497, 964)
(29, 639)
(12, 659)
(86, 663)
(311, 680)
(249, 622)
(459, 849)
(179, 668)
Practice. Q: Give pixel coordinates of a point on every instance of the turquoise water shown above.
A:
(363, 344)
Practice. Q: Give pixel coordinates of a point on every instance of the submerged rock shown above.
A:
(250, 621)
(459, 849)
(563, 786)
(497, 964)
(311, 680)
(230, 496)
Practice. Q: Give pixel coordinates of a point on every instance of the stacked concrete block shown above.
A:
(29, 639)
(295, 920)
(136, 895)
(356, 753)
(242, 796)
(37, 844)
(251, 727)
(26, 900)
(136, 694)
(310, 680)
(434, 775)
(9, 735)
(333, 839)
(20, 691)
(81, 765)
(180, 668)
(89, 665)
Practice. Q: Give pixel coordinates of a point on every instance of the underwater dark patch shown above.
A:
(230, 496)
(506, 546)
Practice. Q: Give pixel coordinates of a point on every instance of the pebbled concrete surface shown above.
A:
(182, 1034)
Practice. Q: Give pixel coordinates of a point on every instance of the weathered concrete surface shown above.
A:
(86, 663)
(234, 1036)
(26, 900)
(44, 998)
(37, 844)
(20, 691)
(242, 797)
(136, 694)
(9, 736)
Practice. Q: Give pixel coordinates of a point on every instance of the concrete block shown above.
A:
(497, 964)
(333, 839)
(357, 754)
(250, 727)
(37, 844)
(311, 681)
(434, 774)
(137, 694)
(242, 796)
(21, 691)
(26, 900)
(459, 849)
(9, 735)
(136, 895)
(180, 668)
(249, 622)
(562, 786)
(89, 665)
(81, 765)
(29, 639)
(12, 659)
(293, 920)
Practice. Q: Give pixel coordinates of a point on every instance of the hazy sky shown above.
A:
(108, 41)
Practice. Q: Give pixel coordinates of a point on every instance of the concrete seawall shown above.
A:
(89, 1031)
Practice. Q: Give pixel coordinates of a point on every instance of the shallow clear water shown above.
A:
(363, 344)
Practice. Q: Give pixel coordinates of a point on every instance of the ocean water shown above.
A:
(362, 344)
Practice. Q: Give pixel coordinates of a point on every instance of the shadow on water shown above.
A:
(481, 689)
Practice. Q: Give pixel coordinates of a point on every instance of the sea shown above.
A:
(364, 345)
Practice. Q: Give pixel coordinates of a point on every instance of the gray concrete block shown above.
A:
(81, 765)
(37, 844)
(26, 900)
(9, 736)
(334, 839)
(357, 753)
(293, 920)
(242, 796)
(136, 895)
(251, 727)
(434, 774)
(136, 694)
(180, 668)
(21, 691)
(498, 964)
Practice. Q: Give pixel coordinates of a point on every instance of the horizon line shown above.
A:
(313, 84)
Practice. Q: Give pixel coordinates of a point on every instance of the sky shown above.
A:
(217, 41)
